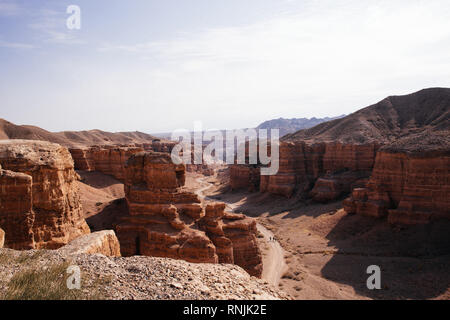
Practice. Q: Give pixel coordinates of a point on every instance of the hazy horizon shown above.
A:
(156, 66)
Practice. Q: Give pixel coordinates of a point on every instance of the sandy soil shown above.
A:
(328, 251)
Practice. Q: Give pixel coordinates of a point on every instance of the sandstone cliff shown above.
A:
(166, 220)
(109, 160)
(410, 182)
(73, 139)
(245, 177)
(129, 278)
(331, 159)
(39, 204)
(329, 170)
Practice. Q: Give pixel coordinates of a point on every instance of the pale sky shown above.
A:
(156, 66)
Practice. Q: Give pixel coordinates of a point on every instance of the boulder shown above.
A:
(101, 242)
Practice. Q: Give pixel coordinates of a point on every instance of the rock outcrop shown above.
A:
(39, 204)
(166, 220)
(111, 160)
(101, 242)
(245, 177)
(328, 169)
(2, 238)
(408, 186)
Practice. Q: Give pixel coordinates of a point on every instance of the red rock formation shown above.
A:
(244, 177)
(39, 204)
(329, 169)
(350, 144)
(111, 159)
(242, 233)
(204, 169)
(106, 159)
(2, 238)
(408, 188)
(165, 220)
(16, 215)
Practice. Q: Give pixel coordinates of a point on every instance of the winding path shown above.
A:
(274, 265)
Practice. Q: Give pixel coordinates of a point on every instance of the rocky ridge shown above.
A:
(144, 278)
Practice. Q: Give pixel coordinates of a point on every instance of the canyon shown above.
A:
(166, 220)
(371, 187)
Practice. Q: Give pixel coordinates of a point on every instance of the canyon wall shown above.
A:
(245, 177)
(111, 160)
(39, 203)
(323, 171)
(166, 220)
(407, 188)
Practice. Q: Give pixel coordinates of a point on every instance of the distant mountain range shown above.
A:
(293, 125)
(284, 125)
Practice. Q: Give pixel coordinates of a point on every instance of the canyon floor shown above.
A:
(327, 252)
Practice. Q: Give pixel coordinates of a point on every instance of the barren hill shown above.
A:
(387, 121)
(10, 130)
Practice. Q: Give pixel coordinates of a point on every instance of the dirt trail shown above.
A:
(272, 271)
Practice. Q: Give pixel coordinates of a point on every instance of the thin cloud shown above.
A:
(51, 27)
(327, 59)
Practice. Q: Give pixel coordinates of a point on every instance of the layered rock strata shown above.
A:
(245, 177)
(39, 203)
(408, 188)
(327, 169)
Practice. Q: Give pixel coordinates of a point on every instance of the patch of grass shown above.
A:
(46, 284)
